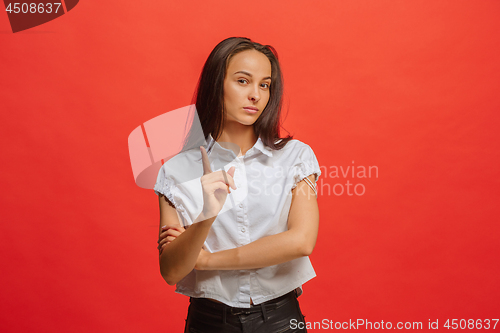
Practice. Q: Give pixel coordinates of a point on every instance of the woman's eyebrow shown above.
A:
(243, 72)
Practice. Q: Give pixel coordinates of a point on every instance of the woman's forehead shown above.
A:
(251, 63)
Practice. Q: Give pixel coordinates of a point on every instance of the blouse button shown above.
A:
(242, 229)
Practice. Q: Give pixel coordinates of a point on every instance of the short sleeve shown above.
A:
(165, 186)
(305, 165)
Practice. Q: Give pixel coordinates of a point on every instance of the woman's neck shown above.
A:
(243, 136)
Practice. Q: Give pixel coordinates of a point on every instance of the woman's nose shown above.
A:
(255, 95)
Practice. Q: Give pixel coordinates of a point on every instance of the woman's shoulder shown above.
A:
(184, 166)
(294, 145)
(293, 150)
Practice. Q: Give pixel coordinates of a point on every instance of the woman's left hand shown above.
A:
(167, 235)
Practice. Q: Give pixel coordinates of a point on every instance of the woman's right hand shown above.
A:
(215, 186)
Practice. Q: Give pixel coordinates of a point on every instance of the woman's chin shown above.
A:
(241, 122)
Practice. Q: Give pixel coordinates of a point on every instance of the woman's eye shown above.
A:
(239, 80)
(266, 85)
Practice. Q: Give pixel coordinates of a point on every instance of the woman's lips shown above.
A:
(252, 111)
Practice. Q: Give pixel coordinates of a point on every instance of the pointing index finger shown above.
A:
(205, 161)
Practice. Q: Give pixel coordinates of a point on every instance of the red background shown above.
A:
(408, 86)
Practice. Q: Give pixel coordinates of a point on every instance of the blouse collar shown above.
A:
(259, 145)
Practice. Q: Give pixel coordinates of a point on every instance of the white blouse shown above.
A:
(257, 208)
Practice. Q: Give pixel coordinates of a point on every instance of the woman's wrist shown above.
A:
(207, 218)
(202, 263)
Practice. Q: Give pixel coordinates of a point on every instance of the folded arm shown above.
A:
(179, 258)
(298, 241)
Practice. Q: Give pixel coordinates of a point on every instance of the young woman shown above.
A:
(237, 240)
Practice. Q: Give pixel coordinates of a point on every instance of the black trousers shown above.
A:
(278, 315)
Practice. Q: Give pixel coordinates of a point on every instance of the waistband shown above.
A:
(225, 309)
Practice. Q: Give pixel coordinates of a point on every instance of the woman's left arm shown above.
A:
(298, 241)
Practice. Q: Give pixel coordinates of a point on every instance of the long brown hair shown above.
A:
(209, 93)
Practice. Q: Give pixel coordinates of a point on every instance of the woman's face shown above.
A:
(246, 86)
